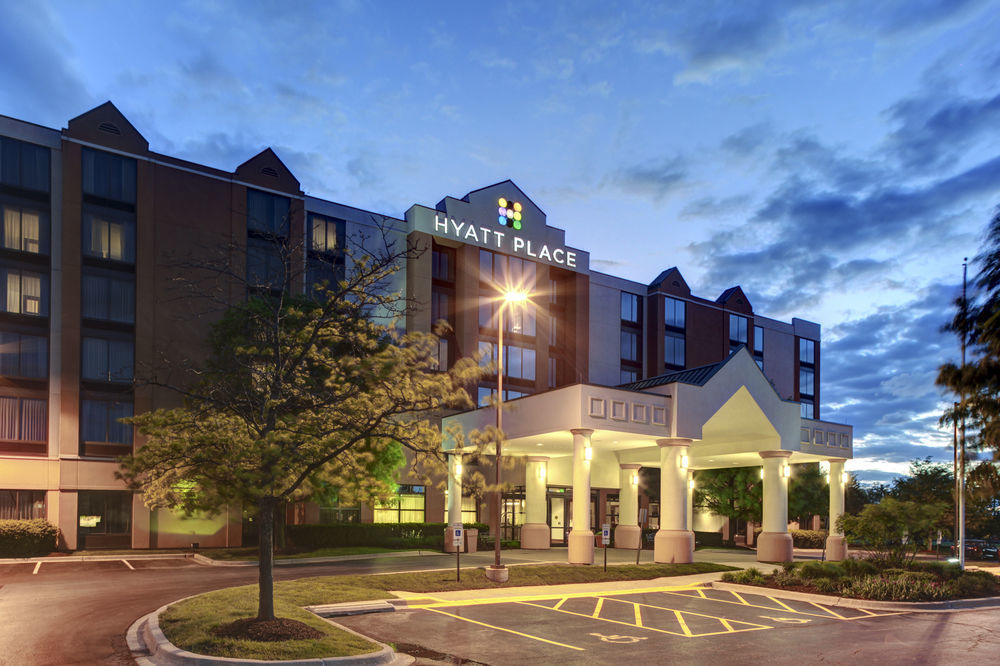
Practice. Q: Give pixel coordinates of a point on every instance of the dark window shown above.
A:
(266, 264)
(630, 307)
(267, 214)
(673, 313)
(107, 360)
(108, 176)
(737, 330)
(806, 409)
(807, 385)
(108, 298)
(24, 229)
(758, 346)
(628, 376)
(24, 292)
(443, 263)
(629, 346)
(104, 513)
(673, 349)
(553, 372)
(23, 355)
(807, 351)
(22, 504)
(24, 165)
(23, 419)
(109, 236)
(99, 421)
(440, 307)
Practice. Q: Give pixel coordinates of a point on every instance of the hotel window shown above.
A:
(25, 292)
(737, 332)
(99, 421)
(807, 377)
(806, 409)
(673, 313)
(628, 376)
(807, 351)
(22, 504)
(23, 355)
(441, 354)
(470, 509)
(23, 420)
(443, 263)
(108, 299)
(506, 272)
(630, 307)
(758, 346)
(486, 396)
(629, 346)
(517, 318)
(440, 307)
(109, 237)
(406, 507)
(267, 214)
(326, 250)
(108, 176)
(107, 360)
(325, 234)
(673, 349)
(24, 165)
(519, 362)
(265, 264)
(553, 372)
(25, 230)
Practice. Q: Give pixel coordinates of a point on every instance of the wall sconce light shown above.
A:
(635, 479)
(828, 478)
(588, 453)
(458, 469)
(844, 477)
(691, 484)
(786, 471)
(761, 473)
(684, 461)
(541, 472)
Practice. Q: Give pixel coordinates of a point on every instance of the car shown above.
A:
(974, 549)
(990, 550)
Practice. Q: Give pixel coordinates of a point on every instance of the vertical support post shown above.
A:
(775, 543)
(836, 545)
(674, 542)
(535, 533)
(581, 538)
(628, 534)
(454, 499)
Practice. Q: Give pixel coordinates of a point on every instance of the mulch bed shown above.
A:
(278, 629)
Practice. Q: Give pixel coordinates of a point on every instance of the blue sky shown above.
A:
(837, 160)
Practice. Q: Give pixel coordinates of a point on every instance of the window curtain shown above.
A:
(12, 228)
(8, 418)
(34, 420)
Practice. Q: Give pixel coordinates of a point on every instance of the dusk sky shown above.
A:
(836, 160)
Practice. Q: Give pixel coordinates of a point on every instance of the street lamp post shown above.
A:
(498, 572)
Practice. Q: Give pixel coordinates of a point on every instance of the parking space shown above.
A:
(608, 627)
(10, 571)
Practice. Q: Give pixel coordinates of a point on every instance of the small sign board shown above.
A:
(456, 535)
(89, 521)
(606, 531)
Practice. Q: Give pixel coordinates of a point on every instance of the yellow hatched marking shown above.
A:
(561, 602)
(784, 605)
(510, 631)
(456, 603)
(684, 625)
(600, 605)
(701, 593)
(725, 623)
(638, 614)
(744, 602)
(828, 610)
(687, 633)
(737, 595)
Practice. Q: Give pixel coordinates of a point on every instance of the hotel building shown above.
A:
(603, 377)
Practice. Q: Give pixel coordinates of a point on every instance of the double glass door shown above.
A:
(104, 519)
(560, 514)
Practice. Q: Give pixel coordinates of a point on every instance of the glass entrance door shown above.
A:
(104, 519)
(557, 519)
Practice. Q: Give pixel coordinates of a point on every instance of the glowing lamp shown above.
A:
(786, 471)
(761, 472)
(517, 206)
(691, 484)
(843, 477)
(588, 453)
(684, 461)
(541, 473)
(635, 479)
(458, 469)
(502, 202)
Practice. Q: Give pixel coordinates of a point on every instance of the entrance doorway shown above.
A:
(104, 519)
(557, 519)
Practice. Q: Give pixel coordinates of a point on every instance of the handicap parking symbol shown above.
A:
(614, 638)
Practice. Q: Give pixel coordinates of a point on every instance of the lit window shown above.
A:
(25, 293)
(25, 230)
(406, 507)
(326, 234)
(22, 504)
(107, 238)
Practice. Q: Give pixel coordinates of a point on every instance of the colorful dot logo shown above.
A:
(509, 213)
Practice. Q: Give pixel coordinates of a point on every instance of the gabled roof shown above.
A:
(509, 182)
(105, 125)
(739, 298)
(697, 376)
(670, 281)
(267, 170)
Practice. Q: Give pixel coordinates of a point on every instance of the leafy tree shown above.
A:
(299, 392)
(857, 496)
(977, 322)
(982, 505)
(929, 483)
(733, 493)
(808, 493)
(892, 530)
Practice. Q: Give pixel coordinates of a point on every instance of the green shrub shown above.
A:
(386, 535)
(943, 570)
(808, 538)
(787, 577)
(751, 576)
(918, 576)
(827, 586)
(974, 584)
(895, 588)
(820, 570)
(855, 568)
(27, 538)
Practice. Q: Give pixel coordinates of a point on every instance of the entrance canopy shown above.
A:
(729, 410)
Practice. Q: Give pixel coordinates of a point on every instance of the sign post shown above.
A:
(456, 532)
(605, 537)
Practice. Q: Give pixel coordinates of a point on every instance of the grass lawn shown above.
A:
(188, 624)
(251, 552)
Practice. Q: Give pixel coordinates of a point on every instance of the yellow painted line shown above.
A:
(509, 631)
(38, 565)
(785, 606)
(701, 593)
(687, 612)
(445, 603)
(828, 610)
(125, 562)
(737, 595)
(684, 625)
(561, 602)
(638, 614)
(725, 623)
(599, 619)
(744, 602)
(600, 605)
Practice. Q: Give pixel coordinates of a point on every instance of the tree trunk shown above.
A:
(265, 525)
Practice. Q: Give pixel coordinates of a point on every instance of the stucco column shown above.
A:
(454, 501)
(775, 543)
(627, 532)
(581, 539)
(674, 541)
(535, 533)
(836, 545)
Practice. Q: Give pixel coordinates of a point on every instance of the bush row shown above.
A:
(27, 538)
(804, 538)
(386, 535)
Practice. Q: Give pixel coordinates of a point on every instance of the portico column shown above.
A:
(836, 545)
(581, 539)
(535, 533)
(627, 532)
(775, 543)
(454, 500)
(674, 541)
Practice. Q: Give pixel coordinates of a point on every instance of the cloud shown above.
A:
(894, 17)
(653, 179)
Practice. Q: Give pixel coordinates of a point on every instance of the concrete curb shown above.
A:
(150, 647)
(285, 562)
(96, 558)
(845, 602)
